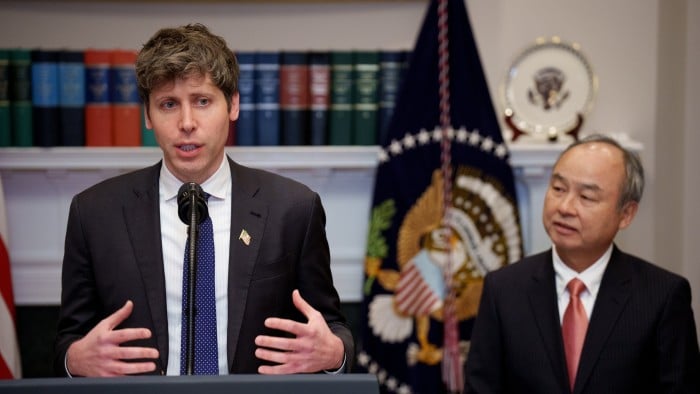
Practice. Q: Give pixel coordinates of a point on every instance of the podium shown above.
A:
(224, 384)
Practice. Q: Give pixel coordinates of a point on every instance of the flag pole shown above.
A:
(452, 375)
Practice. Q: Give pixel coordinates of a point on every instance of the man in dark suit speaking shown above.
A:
(585, 317)
(274, 309)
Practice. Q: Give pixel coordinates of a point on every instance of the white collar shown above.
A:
(217, 186)
(591, 276)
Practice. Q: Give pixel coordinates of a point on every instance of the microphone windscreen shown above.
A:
(188, 193)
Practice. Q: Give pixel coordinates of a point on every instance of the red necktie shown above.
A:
(574, 328)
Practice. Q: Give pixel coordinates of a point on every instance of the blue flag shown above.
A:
(424, 249)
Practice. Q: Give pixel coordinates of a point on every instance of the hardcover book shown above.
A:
(340, 125)
(148, 137)
(267, 92)
(45, 117)
(391, 66)
(231, 139)
(20, 90)
(365, 108)
(71, 97)
(245, 124)
(124, 98)
(5, 121)
(294, 98)
(320, 91)
(98, 108)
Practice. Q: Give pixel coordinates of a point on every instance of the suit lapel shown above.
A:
(612, 297)
(248, 216)
(142, 217)
(543, 302)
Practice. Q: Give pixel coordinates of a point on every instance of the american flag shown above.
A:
(414, 296)
(10, 367)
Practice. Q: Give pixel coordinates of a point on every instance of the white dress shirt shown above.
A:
(591, 277)
(174, 237)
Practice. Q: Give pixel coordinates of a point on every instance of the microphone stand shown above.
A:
(191, 281)
(192, 210)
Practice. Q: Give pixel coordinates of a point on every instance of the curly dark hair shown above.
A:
(181, 52)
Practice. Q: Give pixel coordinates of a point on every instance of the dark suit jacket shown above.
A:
(641, 336)
(113, 254)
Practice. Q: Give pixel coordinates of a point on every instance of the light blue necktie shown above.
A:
(205, 343)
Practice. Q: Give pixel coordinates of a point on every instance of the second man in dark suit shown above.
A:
(585, 317)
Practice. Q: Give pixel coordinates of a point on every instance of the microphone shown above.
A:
(189, 195)
(192, 210)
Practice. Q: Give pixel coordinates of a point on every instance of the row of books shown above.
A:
(69, 98)
(89, 97)
(317, 98)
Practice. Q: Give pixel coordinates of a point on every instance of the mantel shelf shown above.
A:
(272, 157)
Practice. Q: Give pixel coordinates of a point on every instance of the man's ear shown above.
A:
(235, 107)
(628, 212)
(147, 117)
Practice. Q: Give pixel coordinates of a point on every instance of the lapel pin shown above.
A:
(245, 237)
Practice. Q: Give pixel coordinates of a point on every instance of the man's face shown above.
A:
(581, 214)
(190, 120)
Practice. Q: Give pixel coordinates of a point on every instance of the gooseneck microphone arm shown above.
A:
(192, 210)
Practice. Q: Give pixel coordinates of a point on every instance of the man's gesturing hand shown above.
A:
(100, 353)
(314, 347)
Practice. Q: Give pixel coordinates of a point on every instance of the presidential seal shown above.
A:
(480, 234)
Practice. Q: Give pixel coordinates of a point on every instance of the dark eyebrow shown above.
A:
(558, 177)
(590, 186)
(585, 186)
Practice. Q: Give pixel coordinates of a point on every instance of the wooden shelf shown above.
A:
(272, 157)
(78, 158)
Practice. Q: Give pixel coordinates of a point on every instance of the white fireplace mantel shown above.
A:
(40, 182)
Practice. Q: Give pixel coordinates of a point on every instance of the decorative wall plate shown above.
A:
(548, 91)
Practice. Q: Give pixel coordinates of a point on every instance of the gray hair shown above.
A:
(633, 184)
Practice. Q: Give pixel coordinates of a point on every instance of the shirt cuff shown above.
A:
(65, 365)
(339, 370)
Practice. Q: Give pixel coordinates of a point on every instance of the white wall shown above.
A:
(625, 40)
(691, 160)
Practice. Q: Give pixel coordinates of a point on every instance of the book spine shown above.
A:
(340, 117)
(245, 124)
(294, 98)
(365, 108)
(267, 93)
(148, 137)
(45, 115)
(5, 121)
(231, 139)
(319, 90)
(124, 98)
(406, 61)
(98, 110)
(21, 97)
(391, 64)
(71, 97)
